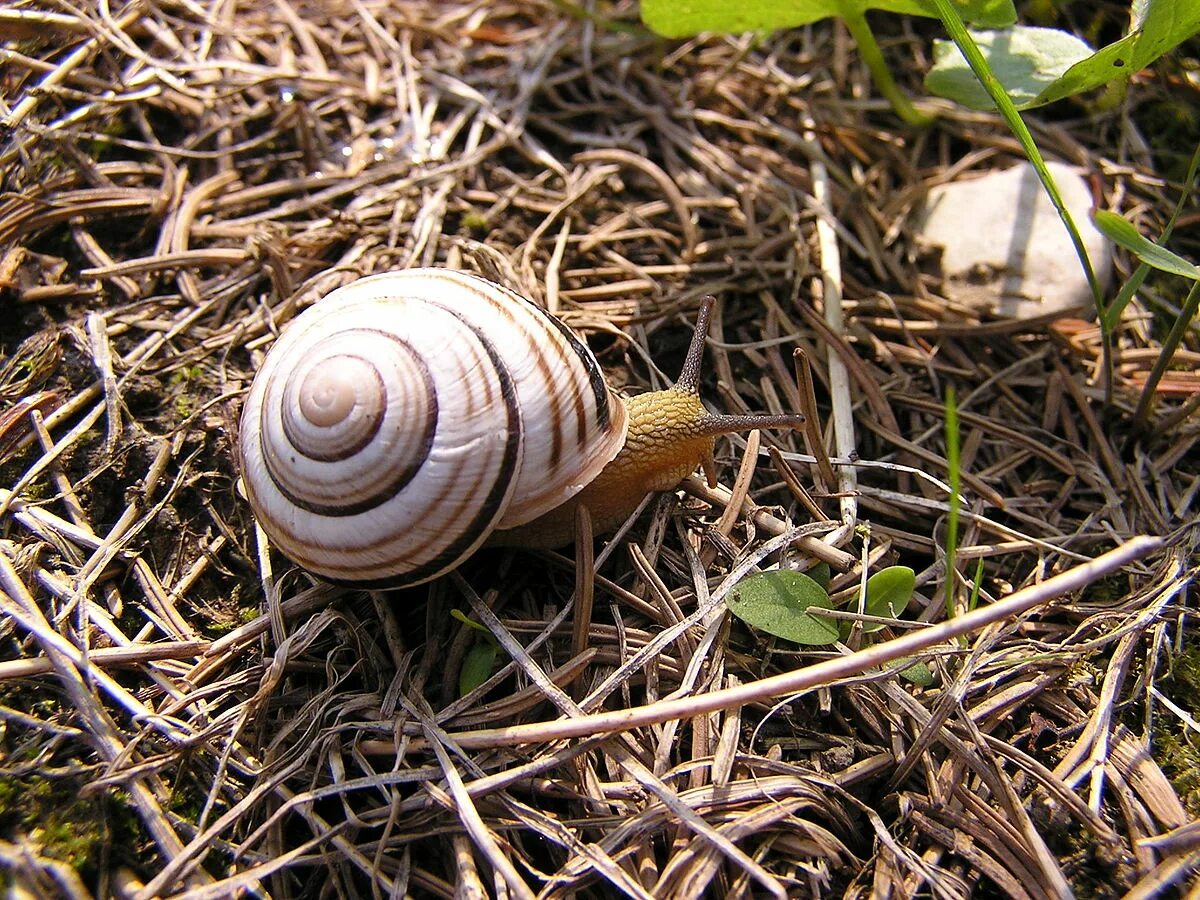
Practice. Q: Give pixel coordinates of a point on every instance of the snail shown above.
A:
(408, 417)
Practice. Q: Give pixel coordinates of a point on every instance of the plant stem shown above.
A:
(1112, 315)
(954, 476)
(957, 30)
(868, 49)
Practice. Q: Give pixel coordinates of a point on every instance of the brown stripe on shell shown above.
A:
(595, 376)
(488, 398)
(486, 291)
(544, 369)
(393, 485)
(490, 510)
(482, 520)
(364, 547)
(368, 436)
(580, 414)
(487, 513)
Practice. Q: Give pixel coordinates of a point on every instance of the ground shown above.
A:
(181, 179)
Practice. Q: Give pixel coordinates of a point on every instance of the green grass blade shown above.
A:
(976, 585)
(954, 476)
(957, 29)
(1112, 315)
(1121, 231)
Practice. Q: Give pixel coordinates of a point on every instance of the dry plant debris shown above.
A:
(180, 178)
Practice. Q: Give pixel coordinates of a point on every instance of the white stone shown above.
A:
(1004, 248)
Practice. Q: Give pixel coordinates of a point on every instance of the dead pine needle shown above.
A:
(180, 181)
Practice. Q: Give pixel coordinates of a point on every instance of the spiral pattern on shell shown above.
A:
(399, 421)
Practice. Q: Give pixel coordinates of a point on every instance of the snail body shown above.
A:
(664, 443)
(409, 417)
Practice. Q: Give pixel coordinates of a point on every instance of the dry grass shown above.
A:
(180, 178)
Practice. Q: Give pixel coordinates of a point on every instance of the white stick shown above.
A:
(823, 673)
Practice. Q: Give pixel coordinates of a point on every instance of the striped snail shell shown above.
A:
(401, 419)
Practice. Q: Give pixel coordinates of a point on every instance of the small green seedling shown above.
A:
(888, 593)
(480, 659)
(778, 603)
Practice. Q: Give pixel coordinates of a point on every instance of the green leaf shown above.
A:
(1157, 26)
(468, 621)
(1122, 231)
(888, 593)
(477, 667)
(1025, 59)
(675, 19)
(919, 674)
(1112, 315)
(777, 603)
(1041, 65)
(821, 574)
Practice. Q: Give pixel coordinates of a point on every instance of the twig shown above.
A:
(108, 657)
(720, 496)
(822, 673)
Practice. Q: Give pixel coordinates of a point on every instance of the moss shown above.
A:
(225, 616)
(183, 385)
(44, 773)
(1171, 123)
(1176, 747)
(50, 814)
(476, 223)
(186, 374)
(1181, 761)
(187, 802)
(1112, 589)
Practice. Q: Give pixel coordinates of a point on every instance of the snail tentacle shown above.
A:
(409, 417)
